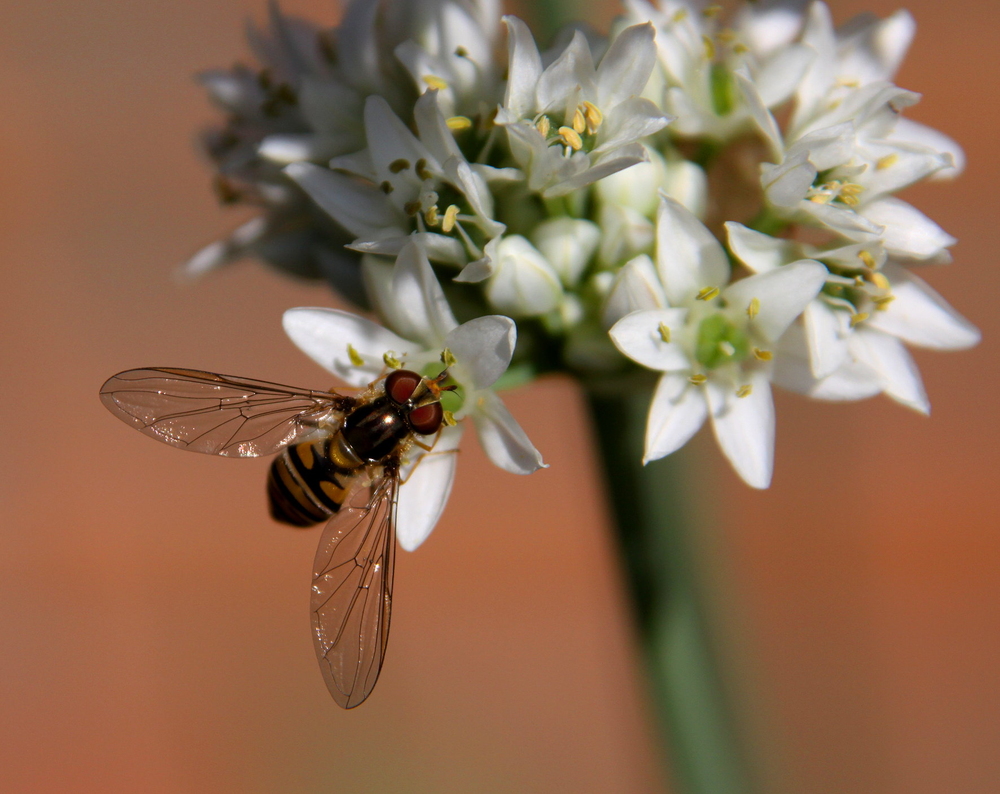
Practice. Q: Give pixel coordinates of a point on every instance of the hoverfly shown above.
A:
(339, 462)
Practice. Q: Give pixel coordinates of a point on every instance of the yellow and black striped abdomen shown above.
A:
(308, 482)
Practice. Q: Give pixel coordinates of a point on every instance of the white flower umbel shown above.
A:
(476, 352)
(713, 343)
(850, 342)
(570, 123)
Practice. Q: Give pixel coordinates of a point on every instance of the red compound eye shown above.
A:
(427, 418)
(401, 384)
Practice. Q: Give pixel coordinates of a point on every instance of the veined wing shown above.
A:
(219, 414)
(352, 588)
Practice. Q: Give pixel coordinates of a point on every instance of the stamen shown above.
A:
(449, 418)
(391, 361)
(711, 11)
(450, 215)
(709, 48)
(886, 162)
(745, 391)
(543, 125)
(593, 115)
(399, 165)
(707, 294)
(762, 355)
(880, 281)
(664, 330)
(447, 358)
(459, 123)
(355, 356)
(726, 36)
(740, 48)
(727, 348)
(847, 82)
(882, 303)
(679, 16)
(858, 317)
(461, 52)
(386, 187)
(698, 379)
(868, 259)
(572, 138)
(421, 169)
(579, 122)
(753, 309)
(859, 281)
(435, 82)
(431, 216)
(411, 208)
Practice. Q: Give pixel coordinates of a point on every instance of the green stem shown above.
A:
(663, 568)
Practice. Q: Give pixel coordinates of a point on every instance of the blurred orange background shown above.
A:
(155, 619)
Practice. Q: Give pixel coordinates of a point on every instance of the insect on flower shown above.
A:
(340, 461)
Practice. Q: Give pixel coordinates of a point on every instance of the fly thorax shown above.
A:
(373, 431)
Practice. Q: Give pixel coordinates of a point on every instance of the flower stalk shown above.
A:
(656, 530)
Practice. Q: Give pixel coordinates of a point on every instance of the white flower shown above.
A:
(570, 123)
(713, 343)
(478, 351)
(392, 189)
(850, 342)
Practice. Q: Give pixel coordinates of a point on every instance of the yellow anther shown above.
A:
(820, 198)
(459, 123)
(849, 200)
(461, 52)
(745, 391)
(664, 330)
(859, 281)
(847, 82)
(851, 189)
(355, 356)
(449, 418)
(593, 115)
(698, 379)
(707, 293)
(726, 348)
(391, 361)
(711, 11)
(679, 16)
(726, 36)
(543, 125)
(709, 48)
(411, 208)
(579, 122)
(447, 358)
(399, 165)
(882, 303)
(386, 187)
(880, 281)
(740, 48)
(868, 260)
(886, 162)
(762, 355)
(450, 215)
(431, 216)
(435, 82)
(572, 138)
(421, 169)
(753, 308)
(859, 317)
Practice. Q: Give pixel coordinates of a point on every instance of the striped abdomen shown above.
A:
(308, 482)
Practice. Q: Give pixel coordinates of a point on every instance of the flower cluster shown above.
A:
(703, 194)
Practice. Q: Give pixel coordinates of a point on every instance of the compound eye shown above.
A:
(401, 384)
(427, 418)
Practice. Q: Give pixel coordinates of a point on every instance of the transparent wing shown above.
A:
(352, 588)
(218, 414)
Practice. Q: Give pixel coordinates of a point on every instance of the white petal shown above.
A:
(293, 148)
(910, 131)
(525, 284)
(744, 427)
(761, 115)
(573, 69)
(897, 373)
(908, 232)
(636, 287)
(638, 336)
(222, 252)
(420, 309)
(852, 381)
(633, 119)
(423, 496)
(688, 256)
(525, 69)
(676, 413)
(780, 76)
(501, 437)
(919, 316)
(758, 251)
(327, 335)
(483, 348)
(626, 66)
(788, 183)
(361, 209)
(782, 293)
(826, 338)
(568, 244)
(609, 163)
(873, 50)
